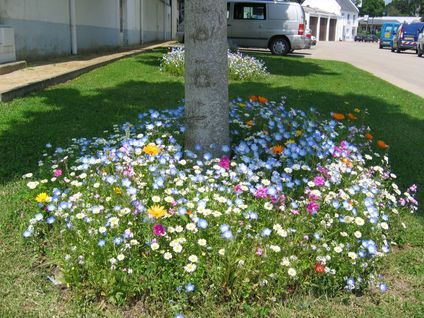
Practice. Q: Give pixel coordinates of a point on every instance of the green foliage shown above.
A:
(373, 8)
(409, 8)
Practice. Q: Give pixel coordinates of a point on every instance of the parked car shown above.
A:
(370, 38)
(387, 31)
(420, 43)
(308, 39)
(275, 25)
(406, 36)
(359, 38)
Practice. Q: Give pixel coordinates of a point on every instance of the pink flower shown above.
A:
(159, 230)
(224, 162)
(319, 181)
(57, 173)
(261, 192)
(312, 208)
(238, 189)
(259, 251)
(295, 212)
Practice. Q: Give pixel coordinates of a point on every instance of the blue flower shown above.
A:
(189, 288)
(202, 223)
(383, 287)
(266, 232)
(224, 228)
(227, 235)
(50, 220)
(101, 243)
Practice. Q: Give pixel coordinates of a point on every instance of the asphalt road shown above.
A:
(405, 70)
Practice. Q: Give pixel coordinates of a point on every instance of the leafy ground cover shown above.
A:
(117, 93)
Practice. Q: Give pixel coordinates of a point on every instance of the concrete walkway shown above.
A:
(41, 75)
(405, 70)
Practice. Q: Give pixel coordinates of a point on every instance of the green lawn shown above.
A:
(118, 92)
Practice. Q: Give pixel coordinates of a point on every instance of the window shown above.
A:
(228, 10)
(348, 17)
(249, 11)
(354, 18)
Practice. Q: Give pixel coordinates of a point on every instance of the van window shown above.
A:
(388, 28)
(285, 12)
(249, 11)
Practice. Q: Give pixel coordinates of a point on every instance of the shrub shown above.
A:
(300, 205)
(240, 67)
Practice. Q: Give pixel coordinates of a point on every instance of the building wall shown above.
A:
(97, 24)
(41, 27)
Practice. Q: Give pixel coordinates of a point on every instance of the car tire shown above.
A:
(279, 46)
(420, 52)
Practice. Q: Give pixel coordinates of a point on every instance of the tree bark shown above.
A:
(206, 76)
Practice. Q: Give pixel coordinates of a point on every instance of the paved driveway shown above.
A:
(405, 70)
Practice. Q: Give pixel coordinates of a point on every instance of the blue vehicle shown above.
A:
(406, 37)
(387, 31)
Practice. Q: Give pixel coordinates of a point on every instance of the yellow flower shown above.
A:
(117, 190)
(357, 110)
(242, 104)
(299, 133)
(42, 197)
(157, 211)
(250, 123)
(151, 149)
(290, 141)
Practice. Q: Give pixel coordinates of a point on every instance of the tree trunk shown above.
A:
(206, 76)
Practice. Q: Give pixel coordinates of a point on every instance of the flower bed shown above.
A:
(300, 205)
(240, 67)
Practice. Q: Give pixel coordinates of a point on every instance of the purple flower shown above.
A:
(261, 192)
(224, 162)
(312, 207)
(159, 230)
(319, 181)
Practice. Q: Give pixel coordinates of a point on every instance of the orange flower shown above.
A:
(369, 136)
(338, 116)
(262, 99)
(253, 98)
(277, 149)
(347, 162)
(249, 123)
(319, 268)
(352, 116)
(382, 145)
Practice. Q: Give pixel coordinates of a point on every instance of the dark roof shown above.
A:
(347, 5)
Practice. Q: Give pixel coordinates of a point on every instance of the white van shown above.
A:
(276, 25)
(272, 24)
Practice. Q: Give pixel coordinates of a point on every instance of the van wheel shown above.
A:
(392, 49)
(420, 52)
(381, 46)
(279, 46)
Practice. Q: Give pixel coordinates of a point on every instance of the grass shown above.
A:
(116, 93)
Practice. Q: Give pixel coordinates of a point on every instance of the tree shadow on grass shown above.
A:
(71, 115)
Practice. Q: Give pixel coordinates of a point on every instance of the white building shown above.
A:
(332, 20)
(45, 28)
